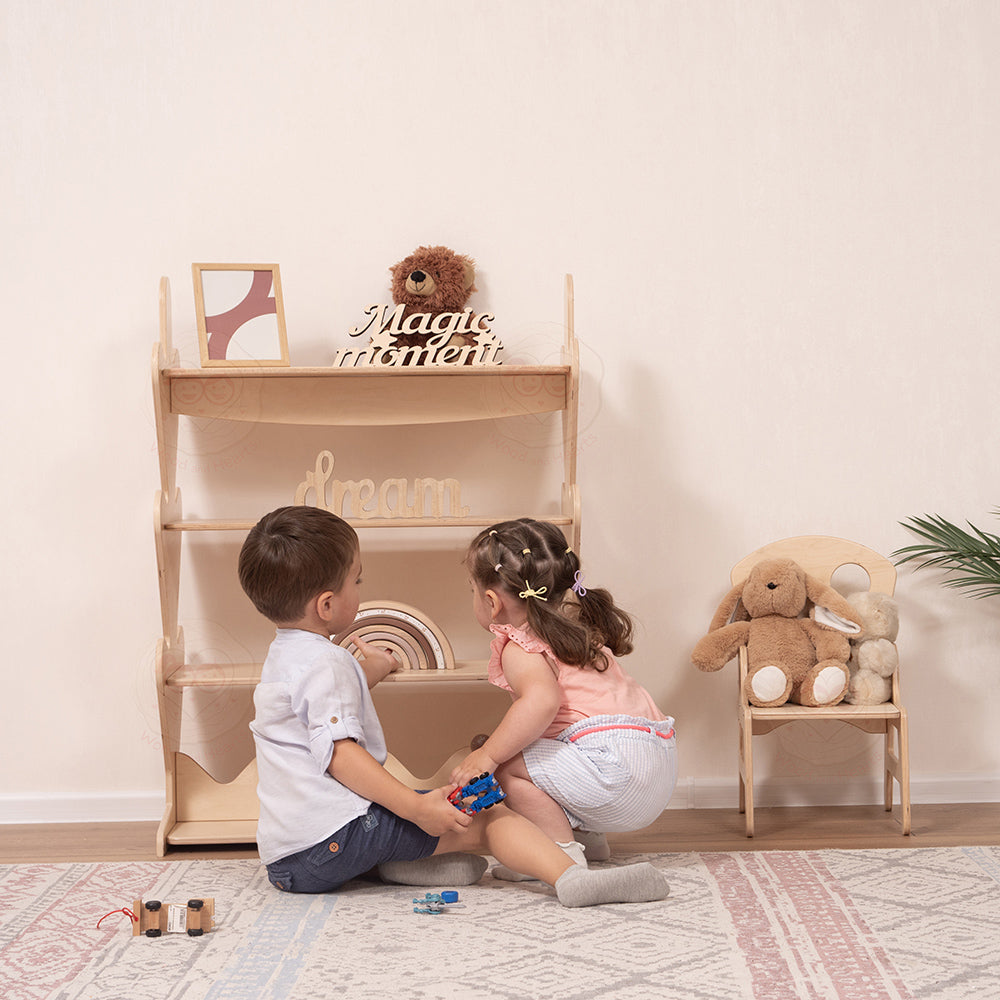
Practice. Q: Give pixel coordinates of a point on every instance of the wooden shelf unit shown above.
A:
(198, 809)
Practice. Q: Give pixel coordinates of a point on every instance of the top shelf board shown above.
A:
(356, 397)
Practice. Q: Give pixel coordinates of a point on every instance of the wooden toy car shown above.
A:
(155, 918)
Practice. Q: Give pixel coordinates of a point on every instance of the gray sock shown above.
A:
(438, 869)
(640, 883)
(595, 844)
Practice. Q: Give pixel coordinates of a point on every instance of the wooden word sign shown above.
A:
(392, 499)
(445, 340)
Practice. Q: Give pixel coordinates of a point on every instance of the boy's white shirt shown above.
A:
(311, 694)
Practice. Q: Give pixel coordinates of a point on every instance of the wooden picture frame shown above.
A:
(241, 316)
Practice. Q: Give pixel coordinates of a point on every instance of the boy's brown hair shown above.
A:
(293, 554)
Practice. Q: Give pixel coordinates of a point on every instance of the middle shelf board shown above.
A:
(247, 675)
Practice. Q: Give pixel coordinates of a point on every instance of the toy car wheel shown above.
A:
(152, 905)
(195, 904)
(153, 932)
(195, 931)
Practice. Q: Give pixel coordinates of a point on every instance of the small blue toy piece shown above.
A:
(485, 791)
(435, 902)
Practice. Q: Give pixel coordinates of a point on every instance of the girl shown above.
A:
(583, 746)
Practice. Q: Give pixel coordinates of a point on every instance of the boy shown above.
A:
(329, 811)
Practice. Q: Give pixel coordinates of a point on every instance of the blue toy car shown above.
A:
(485, 791)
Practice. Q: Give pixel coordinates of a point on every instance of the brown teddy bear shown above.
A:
(433, 280)
(790, 658)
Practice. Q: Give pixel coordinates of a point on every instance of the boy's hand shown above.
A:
(478, 762)
(378, 663)
(435, 815)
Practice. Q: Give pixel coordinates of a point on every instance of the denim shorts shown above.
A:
(354, 849)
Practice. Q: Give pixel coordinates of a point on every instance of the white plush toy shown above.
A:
(874, 657)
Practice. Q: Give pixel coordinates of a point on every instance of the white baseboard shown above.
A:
(124, 807)
(691, 793)
(718, 793)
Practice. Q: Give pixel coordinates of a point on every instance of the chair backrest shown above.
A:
(821, 556)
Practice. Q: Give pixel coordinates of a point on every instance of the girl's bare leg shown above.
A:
(513, 840)
(524, 797)
(519, 844)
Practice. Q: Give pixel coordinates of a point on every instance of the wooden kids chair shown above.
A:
(821, 556)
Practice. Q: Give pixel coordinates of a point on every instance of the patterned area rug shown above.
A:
(850, 925)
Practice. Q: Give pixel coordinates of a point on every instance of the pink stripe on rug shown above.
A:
(801, 936)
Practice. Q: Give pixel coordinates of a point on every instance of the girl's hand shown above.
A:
(478, 762)
(378, 663)
(435, 815)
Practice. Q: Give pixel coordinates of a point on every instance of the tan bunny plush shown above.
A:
(791, 657)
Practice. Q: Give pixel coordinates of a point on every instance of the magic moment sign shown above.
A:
(446, 339)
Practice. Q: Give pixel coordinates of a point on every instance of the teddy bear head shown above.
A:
(433, 280)
(878, 615)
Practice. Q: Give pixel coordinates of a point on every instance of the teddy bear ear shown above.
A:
(468, 273)
(831, 609)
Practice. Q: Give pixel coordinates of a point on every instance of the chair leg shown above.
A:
(887, 768)
(904, 770)
(897, 765)
(746, 771)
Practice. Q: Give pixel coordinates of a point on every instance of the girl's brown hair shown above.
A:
(530, 560)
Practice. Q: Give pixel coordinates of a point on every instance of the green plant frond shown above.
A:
(973, 557)
(990, 541)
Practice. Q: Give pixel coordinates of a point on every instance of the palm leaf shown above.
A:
(971, 557)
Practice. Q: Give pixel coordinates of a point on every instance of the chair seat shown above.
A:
(867, 718)
(845, 713)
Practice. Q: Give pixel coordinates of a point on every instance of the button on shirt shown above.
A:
(311, 694)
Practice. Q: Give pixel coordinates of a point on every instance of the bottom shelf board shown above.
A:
(218, 831)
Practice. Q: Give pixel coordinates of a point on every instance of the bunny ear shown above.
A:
(730, 610)
(831, 609)
(827, 618)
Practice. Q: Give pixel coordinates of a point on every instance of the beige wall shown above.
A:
(782, 220)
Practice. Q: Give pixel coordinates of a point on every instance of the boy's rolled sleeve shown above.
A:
(322, 738)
